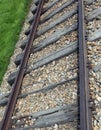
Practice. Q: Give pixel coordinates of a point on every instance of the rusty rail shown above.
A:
(5, 125)
(85, 113)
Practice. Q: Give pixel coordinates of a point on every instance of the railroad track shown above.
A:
(53, 82)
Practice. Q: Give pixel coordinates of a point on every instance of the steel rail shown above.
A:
(85, 113)
(5, 125)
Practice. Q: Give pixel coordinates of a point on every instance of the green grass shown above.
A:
(12, 14)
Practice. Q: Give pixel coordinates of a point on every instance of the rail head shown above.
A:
(5, 124)
(85, 113)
